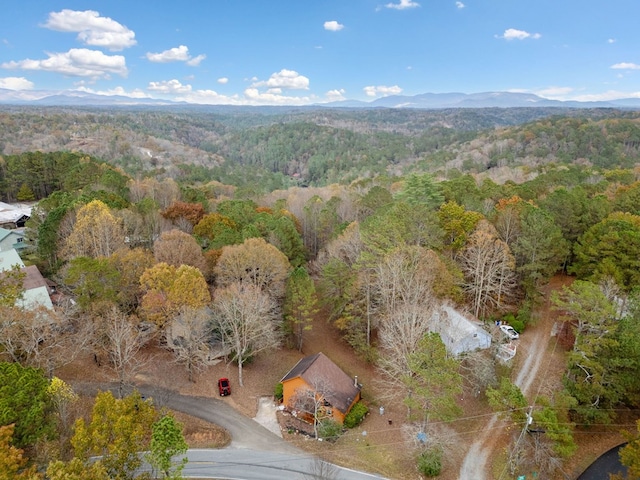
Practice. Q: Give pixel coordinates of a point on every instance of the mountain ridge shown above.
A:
(420, 101)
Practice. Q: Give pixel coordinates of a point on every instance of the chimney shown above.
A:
(355, 381)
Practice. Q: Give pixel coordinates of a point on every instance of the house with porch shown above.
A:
(11, 239)
(317, 378)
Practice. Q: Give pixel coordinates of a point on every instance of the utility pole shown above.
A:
(513, 456)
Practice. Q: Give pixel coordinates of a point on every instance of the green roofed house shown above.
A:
(36, 288)
(11, 239)
(9, 258)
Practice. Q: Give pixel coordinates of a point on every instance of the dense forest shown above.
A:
(268, 149)
(256, 222)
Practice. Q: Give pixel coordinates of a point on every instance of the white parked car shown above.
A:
(509, 332)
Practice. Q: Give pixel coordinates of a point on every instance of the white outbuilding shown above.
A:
(459, 333)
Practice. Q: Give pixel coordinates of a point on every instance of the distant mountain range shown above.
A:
(480, 100)
(421, 101)
(73, 98)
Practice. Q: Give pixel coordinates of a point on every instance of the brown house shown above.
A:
(319, 379)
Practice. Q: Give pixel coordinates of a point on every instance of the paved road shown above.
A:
(243, 464)
(255, 453)
(245, 432)
(607, 463)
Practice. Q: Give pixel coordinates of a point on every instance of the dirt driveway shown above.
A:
(536, 371)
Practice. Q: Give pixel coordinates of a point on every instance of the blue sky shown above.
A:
(296, 52)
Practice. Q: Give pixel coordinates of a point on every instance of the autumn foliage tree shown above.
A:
(13, 463)
(96, 232)
(254, 262)
(168, 288)
(179, 248)
(119, 429)
(130, 263)
(215, 231)
(184, 215)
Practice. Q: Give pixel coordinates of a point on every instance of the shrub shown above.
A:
(518, 325)
(278, 391)
(430, 462)
(516, 322)
(356, 415)
(329, 430)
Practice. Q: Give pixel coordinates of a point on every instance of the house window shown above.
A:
(20, 239)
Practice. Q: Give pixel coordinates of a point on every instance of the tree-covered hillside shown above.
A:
(271, 148)
(214, 257)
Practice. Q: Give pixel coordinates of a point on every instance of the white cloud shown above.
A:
(92, 29)
(269, 92)
(333, 26)
(626, 66)
(120, 91)
(254, 97)
(195, 61)
(169, 87)
(555, 93)
(16, 83)
(210, 97)
(606, 96)
(382, 91)
(551, 93)
(251, 96)
(176, 54)
(77, 62)
(570, 94)
(335, 95)
(460, 5)
(514, 34)
(404, 4)
(286, 79)
(611, 40)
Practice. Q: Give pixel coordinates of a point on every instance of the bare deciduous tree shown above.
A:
(245, 321)
(310, 402)
(122, 343)
(322, 470)
(189, 338)
(489, 269)
(399, 336)
(41, 337)
(404, 280)
(479, 370)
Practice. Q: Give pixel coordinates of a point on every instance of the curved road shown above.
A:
(608, 463)
(255, 453)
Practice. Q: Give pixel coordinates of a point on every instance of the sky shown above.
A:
(299, 52)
